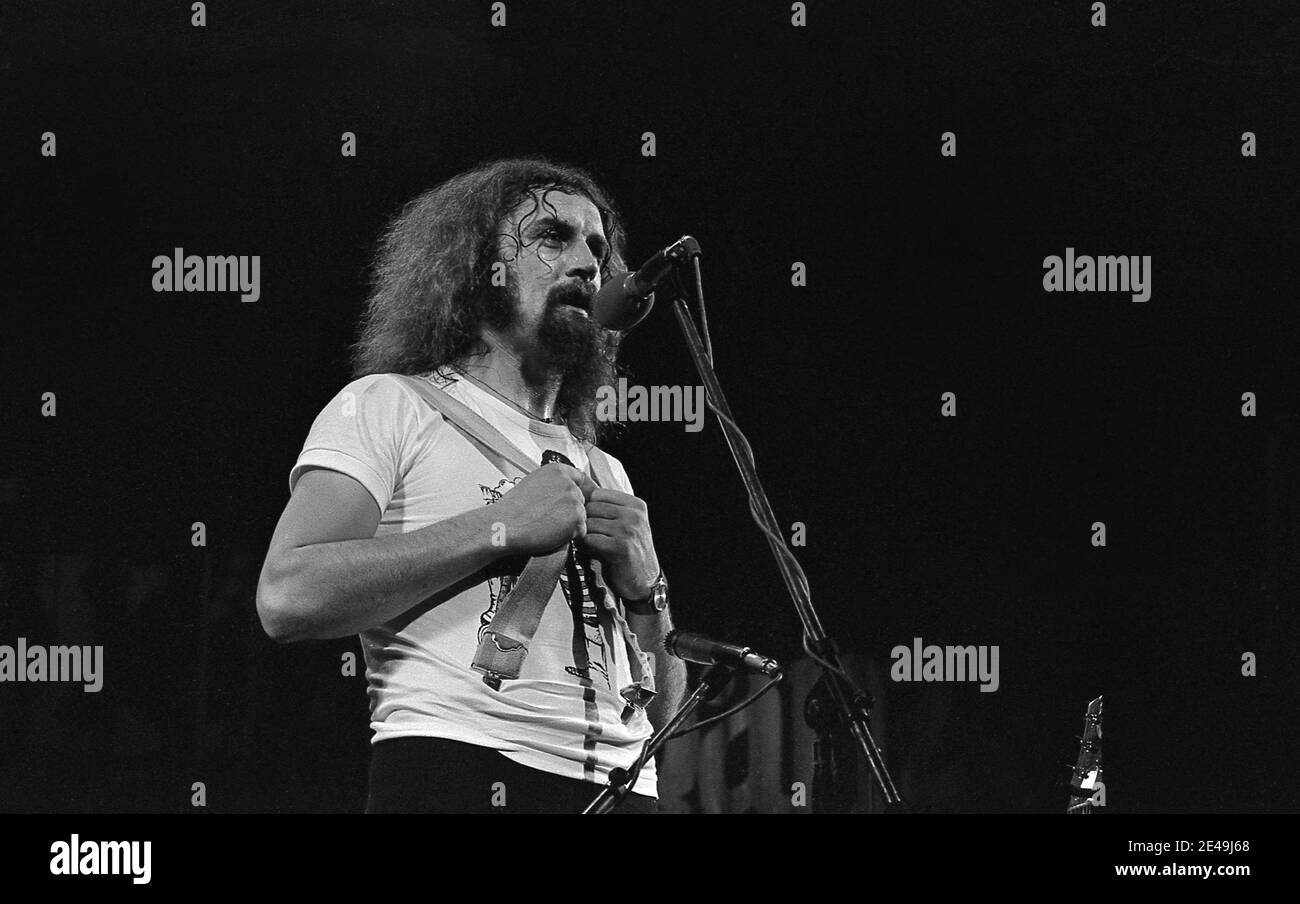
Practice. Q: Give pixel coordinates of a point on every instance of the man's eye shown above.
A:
(552, 236)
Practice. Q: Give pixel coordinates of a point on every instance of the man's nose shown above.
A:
(584, 265)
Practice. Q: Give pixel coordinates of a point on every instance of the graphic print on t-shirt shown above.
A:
(585, 611)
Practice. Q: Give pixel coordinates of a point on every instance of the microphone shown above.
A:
(624, 302)
(697, 648)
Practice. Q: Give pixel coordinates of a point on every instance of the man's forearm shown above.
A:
(670, 672)
(329, 590)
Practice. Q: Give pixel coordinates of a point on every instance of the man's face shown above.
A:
(553, 243)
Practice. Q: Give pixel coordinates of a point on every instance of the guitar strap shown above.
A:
(504, 647)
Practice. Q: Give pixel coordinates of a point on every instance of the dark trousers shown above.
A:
(435, 775)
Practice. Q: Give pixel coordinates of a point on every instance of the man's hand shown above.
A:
(545, 510)
(618, 533)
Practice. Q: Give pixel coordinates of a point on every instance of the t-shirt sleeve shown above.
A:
(362, 432)
(620, 474)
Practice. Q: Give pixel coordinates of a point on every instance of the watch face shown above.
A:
(659, 596)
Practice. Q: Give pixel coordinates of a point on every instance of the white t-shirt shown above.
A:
(557, 716)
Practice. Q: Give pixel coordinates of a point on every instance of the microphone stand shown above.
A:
(621, 780)
(848, 702)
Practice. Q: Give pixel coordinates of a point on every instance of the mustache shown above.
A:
(577, 293)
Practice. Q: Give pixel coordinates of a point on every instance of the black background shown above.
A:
(774, 144)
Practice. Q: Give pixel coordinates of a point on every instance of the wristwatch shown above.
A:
(657, 601)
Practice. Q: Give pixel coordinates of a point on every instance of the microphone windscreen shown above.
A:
(616, 308)
(690, 647)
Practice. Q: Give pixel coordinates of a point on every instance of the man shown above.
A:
(403, 529)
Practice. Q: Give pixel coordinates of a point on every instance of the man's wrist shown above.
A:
(651, 629)
(652, 603)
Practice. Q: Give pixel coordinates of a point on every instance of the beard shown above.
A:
(573, 346)
(569, 341)
(576, 347)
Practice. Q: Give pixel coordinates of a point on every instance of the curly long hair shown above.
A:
(431, 291)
